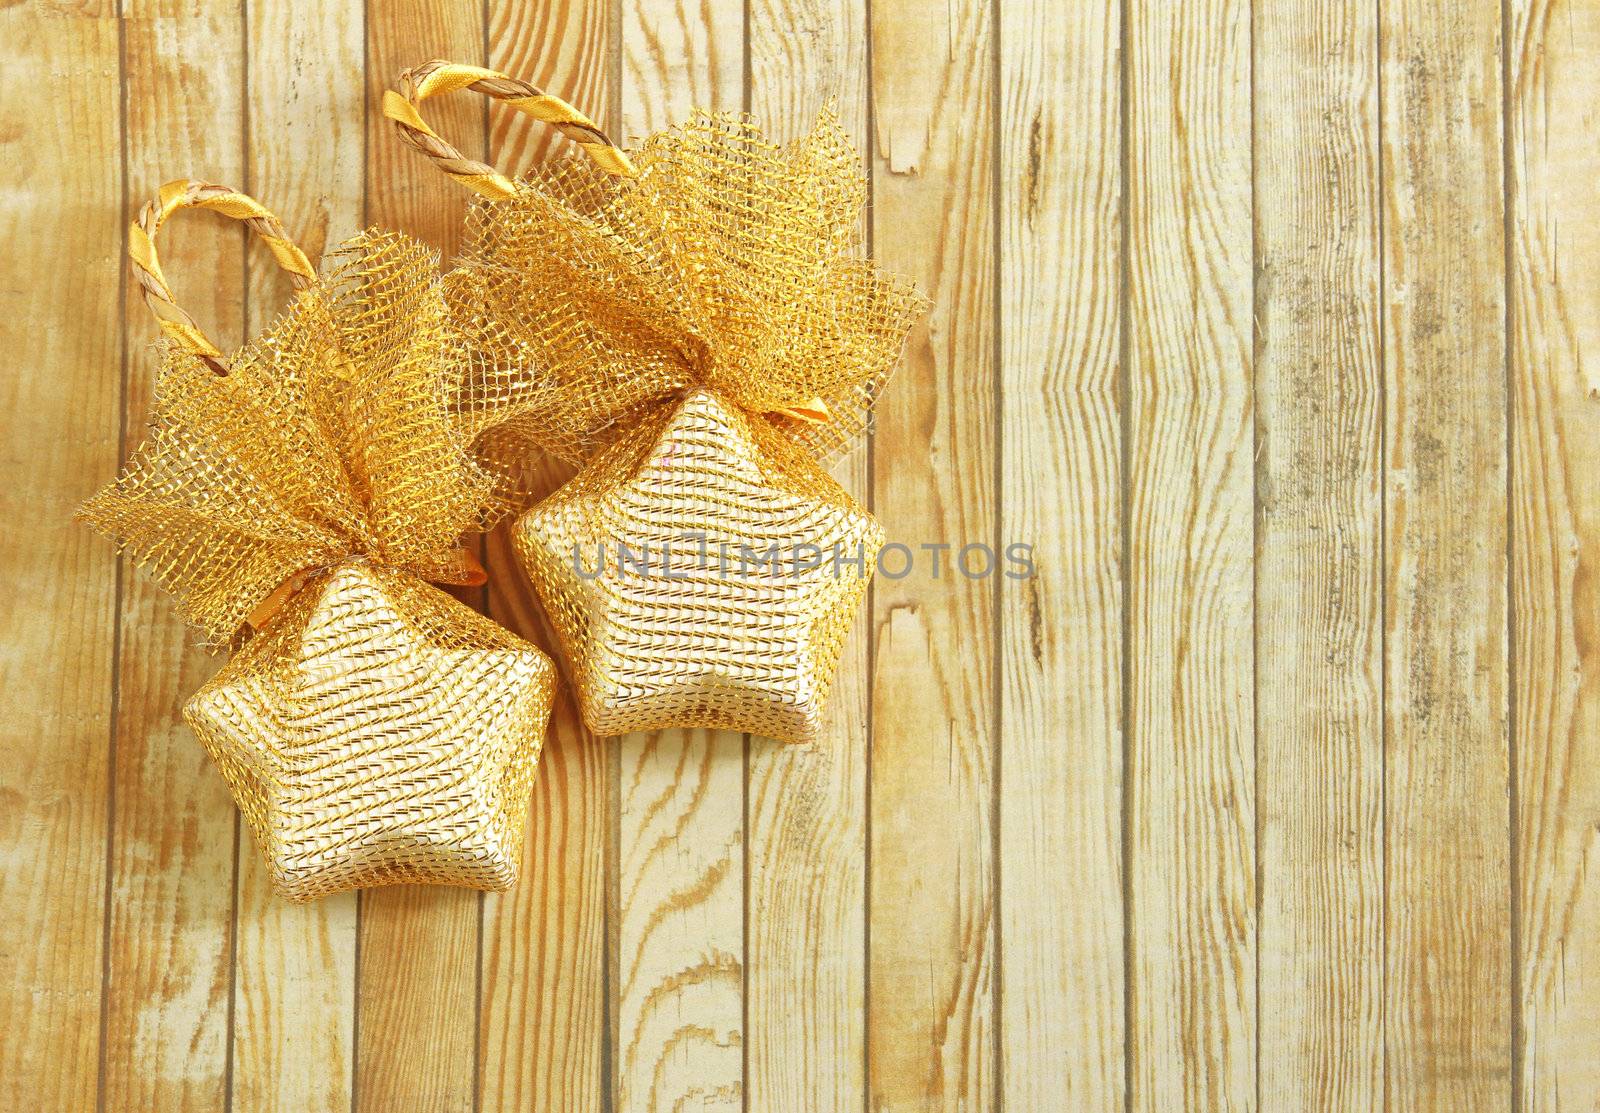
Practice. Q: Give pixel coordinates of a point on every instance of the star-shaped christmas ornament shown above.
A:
(378, 731)
(701, 571)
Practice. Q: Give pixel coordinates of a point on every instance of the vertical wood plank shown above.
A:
(172, 842)
(931, 959)
(806, 823)
(680, 853)
(543, 1018)
(1060, 816)
(680, 936)
(417, 976)
(294, 965)
(1448, 919)
(1319, 537)
(566, 48)
(62, 224)
(1554, 56)
(1190, 503)
(404, 191)
(542, 1021)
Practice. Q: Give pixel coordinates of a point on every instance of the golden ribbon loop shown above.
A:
(273, 603)
(185, 194)
(433, 78)
(458, 567)
(814, 412)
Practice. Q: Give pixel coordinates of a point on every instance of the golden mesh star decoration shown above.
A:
(694, 323)
(718, 634)
(294, 497)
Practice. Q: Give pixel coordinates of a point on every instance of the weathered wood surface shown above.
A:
(1447, 931)
(542, 965)
(806, 807)
(678, 956)
(1189, 489)
(930, 910)
(1319, 547)
(417, 971)
(171, 945)
(1554, 345)
(1062, 1005)
(1271, 328)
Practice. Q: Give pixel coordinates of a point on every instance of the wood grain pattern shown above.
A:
(931, 957)
(1448, 1033)
(59, 421)
(680, 842)
(805, 903)
(167, 1027)
(1319, 552)
(1275, 789)
(680, 940)
(417, 979)
(1191, 825)
(295, 965)
(405, 191)
(564, 47)
(1554, 56)
(1061, 738)
(542, 1018)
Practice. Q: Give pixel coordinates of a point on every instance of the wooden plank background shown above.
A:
(1272, 328)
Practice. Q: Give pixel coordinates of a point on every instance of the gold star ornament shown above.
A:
(695, 325)
(701, 571)
(299, 497)
(377, 732)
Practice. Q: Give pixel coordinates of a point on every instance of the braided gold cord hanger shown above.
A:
(433, 78)
(187, 193)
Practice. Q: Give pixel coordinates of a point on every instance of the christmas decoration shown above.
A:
(294, 497)
(694, 325)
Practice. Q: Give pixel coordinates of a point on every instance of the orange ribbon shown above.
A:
(459, 567)
(815, 412)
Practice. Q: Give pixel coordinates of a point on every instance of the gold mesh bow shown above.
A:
(599, 288)
(373, 730)
(327, 437)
